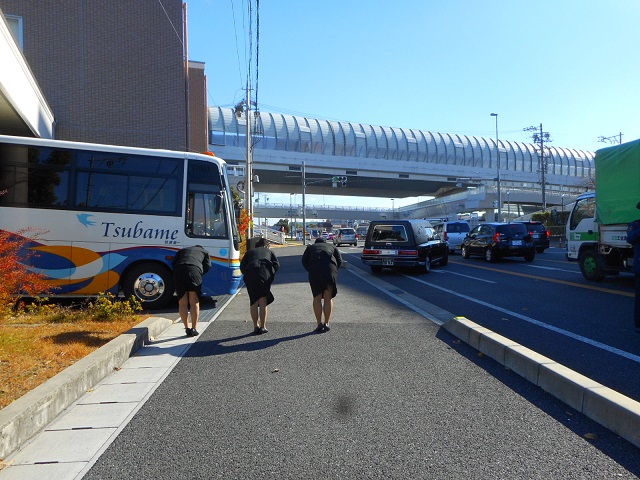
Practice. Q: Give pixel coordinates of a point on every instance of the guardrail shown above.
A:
(270, 234)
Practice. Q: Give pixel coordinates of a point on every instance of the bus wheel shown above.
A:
(150, 283)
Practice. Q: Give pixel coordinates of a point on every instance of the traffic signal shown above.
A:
(342, 181)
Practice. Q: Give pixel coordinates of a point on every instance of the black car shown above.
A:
(539, 233)
(403, 243)
(495, 240)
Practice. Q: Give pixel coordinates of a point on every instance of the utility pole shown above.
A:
(540, 137)
(249, 169)
(612, 139)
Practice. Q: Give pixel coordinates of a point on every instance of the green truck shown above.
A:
(597, 228)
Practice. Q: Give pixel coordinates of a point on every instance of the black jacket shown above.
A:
(321, 252)
(258, 257)
(196, 256)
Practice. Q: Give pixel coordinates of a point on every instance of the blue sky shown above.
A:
(433, 64)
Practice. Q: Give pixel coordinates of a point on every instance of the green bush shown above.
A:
(106, 308)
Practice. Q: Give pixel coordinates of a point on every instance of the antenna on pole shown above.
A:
(612, 139)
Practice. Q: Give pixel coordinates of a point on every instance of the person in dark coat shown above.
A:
(189, 265)
(259, 266)
(633, 237)
(322, 260)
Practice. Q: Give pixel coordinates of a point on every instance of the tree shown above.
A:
(17, 279)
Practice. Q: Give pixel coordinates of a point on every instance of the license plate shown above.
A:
(387, 262)
(516, 242)
(388, 252)
(536, 235)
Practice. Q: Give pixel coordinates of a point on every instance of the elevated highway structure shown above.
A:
(460, 171)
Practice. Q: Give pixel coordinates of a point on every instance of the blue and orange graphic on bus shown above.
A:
(78, 270)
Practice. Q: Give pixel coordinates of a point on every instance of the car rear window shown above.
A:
(536, 227)
(512, 229)
(458, 227)
(347, 231)
(389, 233)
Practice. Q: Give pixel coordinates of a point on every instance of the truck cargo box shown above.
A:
(618, 183)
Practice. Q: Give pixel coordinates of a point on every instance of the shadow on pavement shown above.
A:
(208, 348)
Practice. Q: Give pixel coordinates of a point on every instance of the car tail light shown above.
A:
(497, 237)
(408, 252)
(548, 233)
(370, 251)
(445, 237)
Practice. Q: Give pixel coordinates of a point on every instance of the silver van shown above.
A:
(453, 233)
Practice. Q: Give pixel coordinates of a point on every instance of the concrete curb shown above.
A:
(618, 413)
(29, 414)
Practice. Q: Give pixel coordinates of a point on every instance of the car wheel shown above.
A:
(150, 283)
(445, 259)
(529, 257)
(427, 264)
(464, 253)
(490, 256)
(540, 250)
(376, 268)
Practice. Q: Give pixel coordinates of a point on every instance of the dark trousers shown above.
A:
(636, 306)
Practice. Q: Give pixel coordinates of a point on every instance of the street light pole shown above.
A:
(304, 206)
(499, 199)
(291, 215)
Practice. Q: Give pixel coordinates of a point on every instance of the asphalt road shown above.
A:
(385, 394)
(545, 305)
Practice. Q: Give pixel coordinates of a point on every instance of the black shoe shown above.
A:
(257, 331)
(326, 327)
(320, 328)
(189, 332)
(263, 330)
(194, 332)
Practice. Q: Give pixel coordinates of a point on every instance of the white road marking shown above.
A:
(462, 275)
(553, 268)
(580, 338)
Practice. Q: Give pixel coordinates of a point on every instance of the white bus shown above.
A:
(104, 218)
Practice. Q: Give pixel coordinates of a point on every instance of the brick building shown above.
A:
(113, 71)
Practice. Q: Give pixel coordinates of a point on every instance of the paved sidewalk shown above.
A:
(76, 438)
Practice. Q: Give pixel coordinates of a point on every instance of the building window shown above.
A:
(15, 27)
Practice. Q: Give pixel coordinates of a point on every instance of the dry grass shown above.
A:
(34, 348)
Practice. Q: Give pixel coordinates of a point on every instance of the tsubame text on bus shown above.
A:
(138, 231)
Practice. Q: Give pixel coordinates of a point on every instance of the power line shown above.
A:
(172, 25)
(235, 31)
